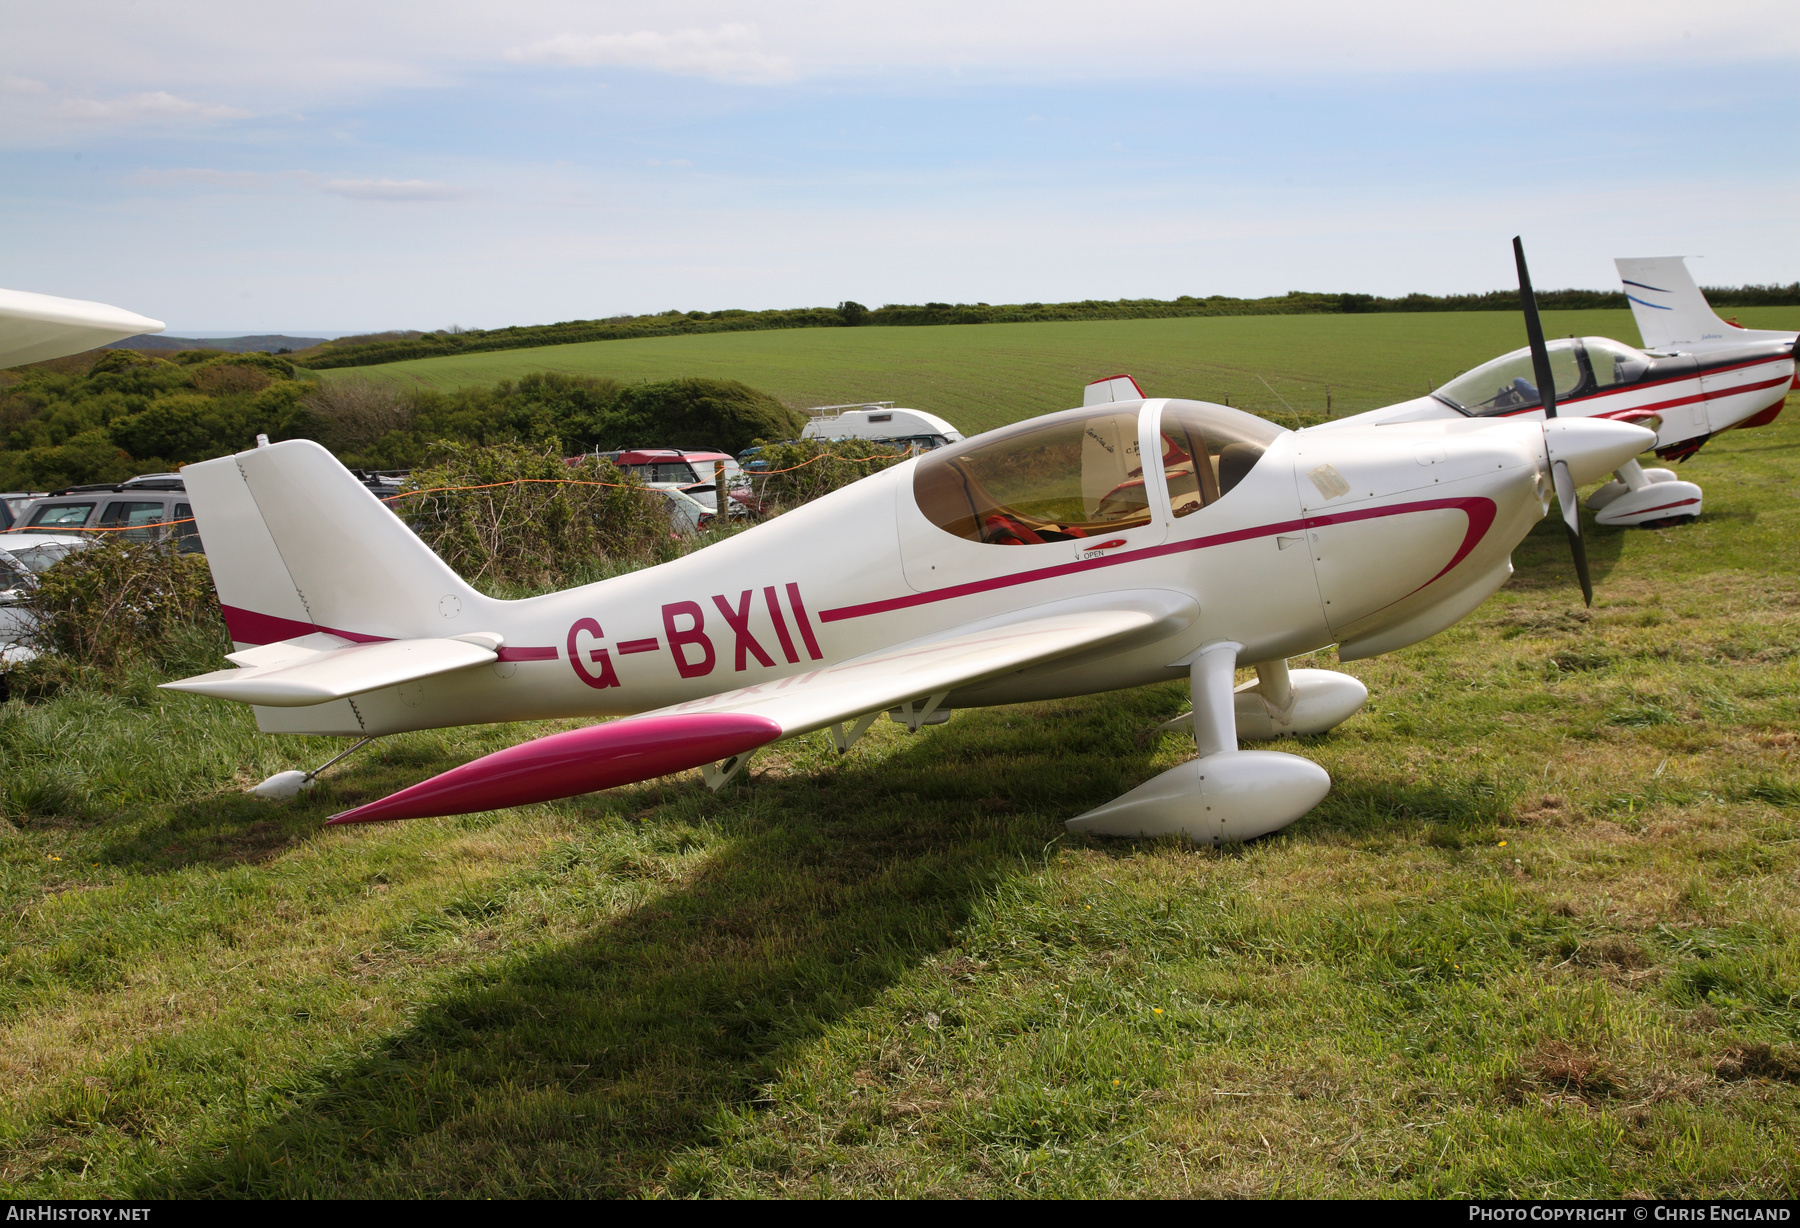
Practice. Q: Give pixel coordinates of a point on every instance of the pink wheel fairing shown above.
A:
(579, 761)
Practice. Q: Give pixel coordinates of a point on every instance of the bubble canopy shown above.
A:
(1080, 473)
(1579, 365)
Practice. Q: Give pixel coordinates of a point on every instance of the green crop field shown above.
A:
(1542, 938)
(980, 376)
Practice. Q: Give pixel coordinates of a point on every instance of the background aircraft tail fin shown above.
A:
(1111, 388)
(297, 545)
(1671, 312)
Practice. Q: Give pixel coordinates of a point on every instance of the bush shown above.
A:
(525, 525)
(804, 471)
(693, 413)
(121, 601)
(356, 414)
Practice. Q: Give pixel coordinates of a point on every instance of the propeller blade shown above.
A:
(578, 761)
(1559, 471)
(1534, 333)
(1571, 512)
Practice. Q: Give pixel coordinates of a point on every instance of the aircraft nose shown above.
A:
(1594, 447)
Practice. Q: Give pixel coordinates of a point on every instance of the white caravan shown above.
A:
(882, 421)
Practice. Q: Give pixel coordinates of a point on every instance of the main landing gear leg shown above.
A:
(1283, 703)
(1226, 794)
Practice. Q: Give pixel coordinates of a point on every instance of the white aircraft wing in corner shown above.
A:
(914, 678)
(34, 327)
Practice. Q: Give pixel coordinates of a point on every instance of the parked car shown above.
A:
(13, 502)
(21, 559)
(145, 508)
(694, 472)
(686, 515)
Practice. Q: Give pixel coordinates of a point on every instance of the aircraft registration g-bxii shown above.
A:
(1131, 541)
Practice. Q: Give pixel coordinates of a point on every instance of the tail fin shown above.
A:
(1671, 312)
(297, 545)
(1111, 388)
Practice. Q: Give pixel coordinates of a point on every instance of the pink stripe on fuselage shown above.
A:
(249, 627)
(1479, 509)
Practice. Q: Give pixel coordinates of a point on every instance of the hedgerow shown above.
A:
(516, 516)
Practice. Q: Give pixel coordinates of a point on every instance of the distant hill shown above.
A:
(267, 344)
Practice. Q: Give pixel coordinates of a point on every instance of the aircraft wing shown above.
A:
(34, 327)
(702, 731)
(941, 663)
(318, 668)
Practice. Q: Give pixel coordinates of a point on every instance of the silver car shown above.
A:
(22, 557)
(153, 507)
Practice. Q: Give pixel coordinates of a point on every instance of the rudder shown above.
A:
(296, 545)
(1670, 311)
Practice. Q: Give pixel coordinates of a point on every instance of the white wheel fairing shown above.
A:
(1218, 799)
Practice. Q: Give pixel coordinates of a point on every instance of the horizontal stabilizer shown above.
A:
(36, 327)
(316, 669)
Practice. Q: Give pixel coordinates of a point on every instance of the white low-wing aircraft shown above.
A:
(1128, 542)
(1686, 393)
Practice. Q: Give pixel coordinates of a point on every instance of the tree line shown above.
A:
(383, 348)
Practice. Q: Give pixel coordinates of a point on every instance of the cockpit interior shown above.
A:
(1581, 366)
(1080, 474)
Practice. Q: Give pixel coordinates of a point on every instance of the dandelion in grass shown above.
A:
(1156, 1010)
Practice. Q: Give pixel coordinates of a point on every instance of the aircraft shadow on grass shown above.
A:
(593, 1067)
(589, 1068)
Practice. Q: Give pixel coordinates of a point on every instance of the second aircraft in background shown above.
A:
(1686, 391)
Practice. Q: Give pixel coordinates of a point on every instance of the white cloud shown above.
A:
(181, 47)
(137, 108)
(10, 84)
(394, 189)
(727, 53)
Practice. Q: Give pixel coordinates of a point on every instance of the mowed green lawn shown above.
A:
(981, 376)
(1543, 937)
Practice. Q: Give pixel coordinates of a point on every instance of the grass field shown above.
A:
(1543, 937)
(985, 375)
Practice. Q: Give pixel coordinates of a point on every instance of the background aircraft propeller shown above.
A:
(1559, 472)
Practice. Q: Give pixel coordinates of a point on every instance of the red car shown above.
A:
(692, 471)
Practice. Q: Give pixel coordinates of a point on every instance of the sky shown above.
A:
(318, 167)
